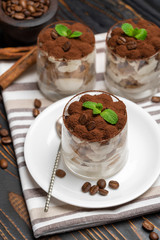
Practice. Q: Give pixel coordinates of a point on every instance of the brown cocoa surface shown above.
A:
(132, 48)
(65, 48)
(103, 130)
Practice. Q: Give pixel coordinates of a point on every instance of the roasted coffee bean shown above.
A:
(31, 9)
(155, 99)
(14, 1)
(37, 14)
(131, 45)
(66, 46)
(23, 3)
(60, 173)
(153, 236)
(9, 10)
(90, 125)
(86, 187)
(4, 5)
(28, 18)
(27, 13)
(30, 3)
(36, 5)
(6, 140)
(4, 132)
(3, 163)
(101, 183)
(36, 112)
(83, 119)
(113, 184)
(40, 10)
(147, 226)
(103, 192)
(54, 35)
(121, 40)
(94, 189)
(19, 16)
(37, 103)
(18, 9)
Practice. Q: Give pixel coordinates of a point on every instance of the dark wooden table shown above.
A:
(14, 219)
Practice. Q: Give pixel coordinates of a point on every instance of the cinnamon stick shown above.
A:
(18, 68)
(14, 52)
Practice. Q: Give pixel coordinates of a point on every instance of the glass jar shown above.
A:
(135, 79)
(63, 76)
(93, 160)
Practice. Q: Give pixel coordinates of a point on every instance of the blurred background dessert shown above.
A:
(133, 60)
(65, 64)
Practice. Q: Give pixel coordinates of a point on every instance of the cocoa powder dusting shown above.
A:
(143, 48)
(79, 47)
(82, 123)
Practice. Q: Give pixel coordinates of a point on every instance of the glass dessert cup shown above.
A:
(136, 79)
(60, 77)
(93, 160)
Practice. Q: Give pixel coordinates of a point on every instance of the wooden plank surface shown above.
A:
(99, 15)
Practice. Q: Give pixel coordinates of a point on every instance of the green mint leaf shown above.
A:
(128, 29)
(141, 35)
(110, 116)
(75, 34)
(61, 30)
(135, 31)
(69, 32)
(96, 107)
(90, 105)
(99, 106)
(96, 111)
(64, 31)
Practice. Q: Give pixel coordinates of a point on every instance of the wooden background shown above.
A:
(99, 15)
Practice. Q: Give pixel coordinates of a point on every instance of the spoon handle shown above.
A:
(52, 179)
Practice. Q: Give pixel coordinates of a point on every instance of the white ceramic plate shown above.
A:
(137, 176)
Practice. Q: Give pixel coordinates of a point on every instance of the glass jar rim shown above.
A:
(84, 53)
(87, 92)
(128, 59)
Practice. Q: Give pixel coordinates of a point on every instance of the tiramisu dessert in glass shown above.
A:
(133, 59)
(66, 59)
(94, 134)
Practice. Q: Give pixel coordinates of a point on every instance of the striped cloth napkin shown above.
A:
(61, 217)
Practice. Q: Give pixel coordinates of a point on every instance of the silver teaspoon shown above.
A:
(58, 128)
